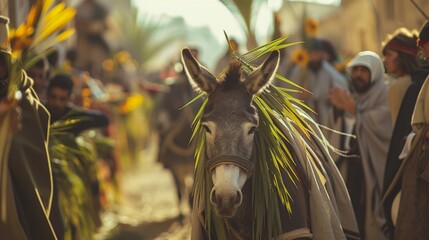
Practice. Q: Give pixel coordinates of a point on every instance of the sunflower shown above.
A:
(123, 57)
(300, 57)
(311, 26)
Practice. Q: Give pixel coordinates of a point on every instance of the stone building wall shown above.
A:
(363, 24)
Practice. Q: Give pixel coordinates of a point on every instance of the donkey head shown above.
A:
(230, 121)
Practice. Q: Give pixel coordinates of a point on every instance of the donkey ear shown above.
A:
(262, 76)
(197, 74)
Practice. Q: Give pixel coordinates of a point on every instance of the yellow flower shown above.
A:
(311, 27)
(123, 57)
(108, 65)
(86, 92)
(300, 57)
(132, 102)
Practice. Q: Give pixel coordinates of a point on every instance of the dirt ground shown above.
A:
(148, 208)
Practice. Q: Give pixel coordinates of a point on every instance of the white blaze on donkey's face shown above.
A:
(230, 121)
(228, 177)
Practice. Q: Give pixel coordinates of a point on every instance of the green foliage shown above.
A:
(144, 36)
(245, 13)
(74, 164)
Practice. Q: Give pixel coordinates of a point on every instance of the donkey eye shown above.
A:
(206, 128)
(252, 130)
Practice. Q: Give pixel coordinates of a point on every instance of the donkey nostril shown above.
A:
(213, 197)
(238, 198)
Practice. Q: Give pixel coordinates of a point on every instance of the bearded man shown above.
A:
(319, 77)
(373, 128)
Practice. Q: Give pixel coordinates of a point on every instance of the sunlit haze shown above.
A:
(212, 14)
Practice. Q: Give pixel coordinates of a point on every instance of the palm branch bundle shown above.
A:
(46, 24)
(74, 163)
(278, 110)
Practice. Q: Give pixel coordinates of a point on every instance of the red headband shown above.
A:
(394, 45)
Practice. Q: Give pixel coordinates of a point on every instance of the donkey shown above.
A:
(230, 120)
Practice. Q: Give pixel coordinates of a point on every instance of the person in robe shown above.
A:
(413, 213)
(28, 180)
(319, 77)
(373, 128)
(405, 79)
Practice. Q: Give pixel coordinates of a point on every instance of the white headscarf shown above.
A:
(372, 61)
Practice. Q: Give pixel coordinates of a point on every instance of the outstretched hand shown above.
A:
(342, 99)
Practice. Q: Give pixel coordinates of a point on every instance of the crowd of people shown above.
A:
(374, 115)
(57, 130)
(379, 100)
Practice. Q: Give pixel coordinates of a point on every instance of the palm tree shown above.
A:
(245, 12)
(143, 36)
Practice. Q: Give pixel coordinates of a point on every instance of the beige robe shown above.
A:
(319, 85)
(397, 89)
(413, 214)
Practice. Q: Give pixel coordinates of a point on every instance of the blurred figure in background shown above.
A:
(39, 72)
(330, 54)
(58, 103)
(91, 25)
(319, 77)
(176, 153)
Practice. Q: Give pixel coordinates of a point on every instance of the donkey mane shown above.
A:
(233, 77)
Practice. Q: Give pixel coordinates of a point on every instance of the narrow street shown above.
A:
(148, 209)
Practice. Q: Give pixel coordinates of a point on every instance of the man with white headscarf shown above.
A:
(373, 129)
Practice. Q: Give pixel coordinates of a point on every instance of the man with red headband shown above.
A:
(400, 60)
(413, 215)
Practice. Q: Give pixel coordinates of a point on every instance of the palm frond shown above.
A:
(242, 12)
(43, 29)
(75, 165)
(16, 75)
(13, 95)
(144, 38)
